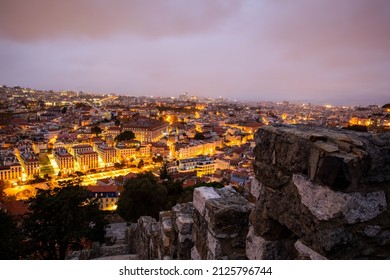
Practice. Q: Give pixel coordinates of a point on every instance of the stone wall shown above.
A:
(318, 194)
(214, 226)
(221, 220)
(321, 194)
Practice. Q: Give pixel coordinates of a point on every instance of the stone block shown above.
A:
(201, 195)
(326, 204)
(306, 253)
(257, 248)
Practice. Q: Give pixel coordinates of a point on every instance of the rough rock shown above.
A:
(326, 204)
(201, 195)
(221, 221)
(325, 190)
(306, 253)
(182, 220)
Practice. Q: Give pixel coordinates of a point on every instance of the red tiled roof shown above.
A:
(97, 189)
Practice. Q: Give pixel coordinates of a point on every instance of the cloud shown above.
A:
(25, 20)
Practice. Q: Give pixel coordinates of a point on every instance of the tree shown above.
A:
(2, 187)
(142, 196)
(164, 174)
(97, 130)
(125, 135)
(117, 122)
(158, 159)
(140, 164)
(9, 238)
(199, 136)
(60, 216)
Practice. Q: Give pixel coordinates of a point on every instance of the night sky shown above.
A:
(321, 51)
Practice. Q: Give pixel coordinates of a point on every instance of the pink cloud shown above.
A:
(25, 20)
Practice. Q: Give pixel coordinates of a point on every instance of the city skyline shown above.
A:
(320, 52)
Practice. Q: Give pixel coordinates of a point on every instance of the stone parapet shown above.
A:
(322, 193)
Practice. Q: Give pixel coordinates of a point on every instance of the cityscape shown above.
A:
(194, 130)
(51, 136)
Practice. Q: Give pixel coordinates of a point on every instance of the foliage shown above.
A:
(37, 179)
(164, 174)
(97, 130)
(141, 164)
(158, 159)
(145, 196)
(60, 216)
(125, 135)
(199, 136)
(9, 238)
(2, 187)
(142, 196)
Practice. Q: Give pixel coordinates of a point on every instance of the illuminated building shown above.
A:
(202, 166)
(205, 167)
(222, 164)
(63, 159)
(30, 164)
(147, 131)
(106, 195)
(144, 151)
(113, 131)
(10, 168)
(81, 148)
(158, 149)
(87, 159)
(107, 154)
(360, 121)
(196, 148)
(125, 152)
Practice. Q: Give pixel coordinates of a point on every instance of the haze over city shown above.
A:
(335, 52)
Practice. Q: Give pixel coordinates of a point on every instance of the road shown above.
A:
(26, 191)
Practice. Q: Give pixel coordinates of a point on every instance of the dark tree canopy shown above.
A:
(9, 238)
(60, 216)
(125, 135)
(142, 196)
(141, 164)
(199, 136)
(97, 130)
(164, 174)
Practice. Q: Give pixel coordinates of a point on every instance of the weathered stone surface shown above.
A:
(333, 171)
(116, 249)
(292, 148)
(255, 188)
(220, 230)
(326, 147)
(372, 231)
(318, 193)
(326, 204)
(201, 195)
(182, 221)
(322, 202)
(257, 248)
(330, 193)
(227, 214)
(165, 234)
(147, 239)
(194, 254)
(364, 207)
(306, 253)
